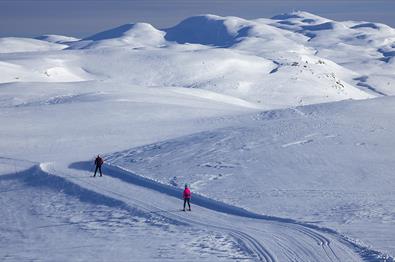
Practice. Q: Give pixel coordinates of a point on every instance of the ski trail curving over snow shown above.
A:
(330, 241)
(254, 247)
(264, 255)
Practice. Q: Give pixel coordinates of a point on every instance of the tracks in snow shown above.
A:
(252, 245)
(291, 240)
(255, 249)
(262, 253)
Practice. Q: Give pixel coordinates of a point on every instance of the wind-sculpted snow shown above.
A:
(16, 45)
(59, 39)
(31, 67)
(208, 30)
(138, 35)
(287, 162)
(66, 216)
(112, 33)
(354, 45)
(262, 253)
(310, 182)
(366, 25)
(272, 63)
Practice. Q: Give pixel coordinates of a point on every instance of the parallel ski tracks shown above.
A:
(256, 249)
(320, 240)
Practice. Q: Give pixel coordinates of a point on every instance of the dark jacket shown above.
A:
(99, 161)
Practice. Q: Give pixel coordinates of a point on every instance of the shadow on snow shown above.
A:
(129, 177)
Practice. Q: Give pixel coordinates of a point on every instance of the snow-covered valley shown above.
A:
(283, 128)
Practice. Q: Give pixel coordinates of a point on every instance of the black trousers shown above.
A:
(187, 200)
(98, 167)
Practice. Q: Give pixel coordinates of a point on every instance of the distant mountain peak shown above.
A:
(298, 15)
(121, 31)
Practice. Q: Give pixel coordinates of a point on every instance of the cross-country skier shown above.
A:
(187, 197)
(98, 162)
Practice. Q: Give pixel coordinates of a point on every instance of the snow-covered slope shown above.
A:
(138, 35)
(364, 47)
(15, 44)
(245, 111)
(330, 165)
(59, 39)
(256, 61)
(52, 68)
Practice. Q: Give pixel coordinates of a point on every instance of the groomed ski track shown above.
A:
(265, 238)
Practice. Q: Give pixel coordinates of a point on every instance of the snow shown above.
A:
(15, 44)
(328, 165)
(60, 39)
(282, 127)
(356, 45)
(130, 35)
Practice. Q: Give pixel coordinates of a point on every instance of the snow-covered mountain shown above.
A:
(289, 60)
(59, 39)
(17, 44)
(258, 116)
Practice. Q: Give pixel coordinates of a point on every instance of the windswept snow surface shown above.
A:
(270, 121)
(364, 47)
(328, 165)
(59, 39)
(15, 44)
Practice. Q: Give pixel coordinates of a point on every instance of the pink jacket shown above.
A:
(187, 193)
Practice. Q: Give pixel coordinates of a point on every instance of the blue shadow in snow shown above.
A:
(366, 25)
(197, 199)
(129, 177)
(36, 177)
(205, 30)
(111, 33)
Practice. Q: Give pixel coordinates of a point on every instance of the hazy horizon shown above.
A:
(29, 18)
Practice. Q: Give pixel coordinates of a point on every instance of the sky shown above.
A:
(82, 18)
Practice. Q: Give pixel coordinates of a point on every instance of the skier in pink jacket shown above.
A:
(187, 197)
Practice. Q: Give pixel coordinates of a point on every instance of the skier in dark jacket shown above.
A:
(98, 162)
(187, 197)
